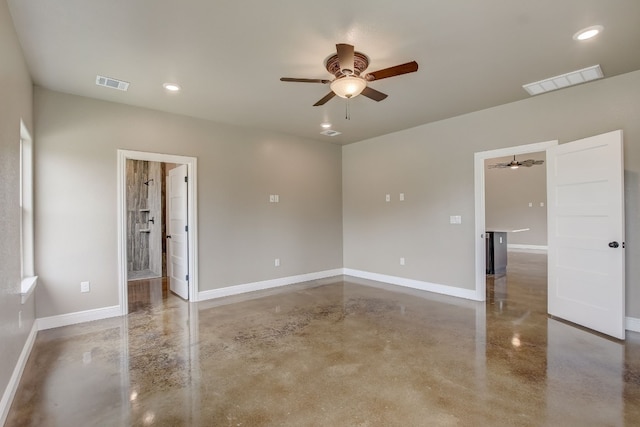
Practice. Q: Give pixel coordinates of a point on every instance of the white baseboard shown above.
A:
(526, 248)
(632, 324)
(415, 284)
(78, 317)
(266, 284)
(14, 381)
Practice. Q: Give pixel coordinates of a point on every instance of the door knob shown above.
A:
(613, 244)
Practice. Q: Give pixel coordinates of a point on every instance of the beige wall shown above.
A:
(15, 104)
(433, 166)
(240, 232)
(508, 194)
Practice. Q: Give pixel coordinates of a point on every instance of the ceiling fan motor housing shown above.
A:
(360, 63)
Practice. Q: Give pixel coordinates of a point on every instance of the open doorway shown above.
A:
(146, 220)
(157, 241)
(481, 201)
(151, 211)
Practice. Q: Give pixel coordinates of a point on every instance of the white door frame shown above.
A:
(192, 206)
(479, 169)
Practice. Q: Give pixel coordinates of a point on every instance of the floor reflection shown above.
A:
(147, 293)
(343, 351)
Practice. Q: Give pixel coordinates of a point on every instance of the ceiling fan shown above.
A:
(347, 66)
(515, 164)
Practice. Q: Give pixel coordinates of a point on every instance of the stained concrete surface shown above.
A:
(337, 352)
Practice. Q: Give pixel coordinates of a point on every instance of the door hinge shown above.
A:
(186, 179)
(186, 278)
(186, 228)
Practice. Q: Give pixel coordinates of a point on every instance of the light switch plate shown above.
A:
(85, 287)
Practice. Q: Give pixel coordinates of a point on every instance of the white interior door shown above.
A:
(177, 242)
(586, 233)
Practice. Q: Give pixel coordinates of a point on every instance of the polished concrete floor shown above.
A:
(340, 352)
(147, 293)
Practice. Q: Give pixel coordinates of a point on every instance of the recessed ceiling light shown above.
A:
(171, 87)
(325, 125)
(587, 33)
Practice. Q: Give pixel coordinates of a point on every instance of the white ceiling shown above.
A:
(229, 55)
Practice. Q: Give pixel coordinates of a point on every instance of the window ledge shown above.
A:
(27, 287)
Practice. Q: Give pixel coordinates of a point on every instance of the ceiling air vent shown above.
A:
(564, 80)
(112, 83)
(330, 132)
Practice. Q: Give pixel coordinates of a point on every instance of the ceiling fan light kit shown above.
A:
(348, 87)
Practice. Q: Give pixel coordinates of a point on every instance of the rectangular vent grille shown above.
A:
(112, 83)
(564, 80)
(330, 132)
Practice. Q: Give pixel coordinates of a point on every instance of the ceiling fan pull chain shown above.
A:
(347, 114)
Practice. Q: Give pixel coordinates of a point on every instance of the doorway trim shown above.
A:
(480, 225)
(192, 206)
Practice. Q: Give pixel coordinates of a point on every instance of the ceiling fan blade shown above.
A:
(346, 58)
(373, 94)
(499, 165)
(325, 99)
(409, 67)
(291, 79)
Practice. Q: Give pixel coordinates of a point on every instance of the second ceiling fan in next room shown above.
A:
(347, 67)
(514, 164)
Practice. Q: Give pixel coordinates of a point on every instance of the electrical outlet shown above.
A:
(387, 197)
(402, 261)
(402, 197)
(276, 262)
(85, 287)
